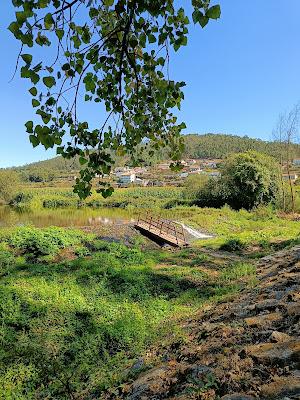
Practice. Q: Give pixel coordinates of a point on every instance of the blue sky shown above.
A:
(241, 72)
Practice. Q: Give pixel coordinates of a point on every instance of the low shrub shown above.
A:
(35, 243)
(233, 245)
(7, 258)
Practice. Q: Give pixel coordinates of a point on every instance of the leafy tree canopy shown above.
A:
(9, 184)
(117, 52)
(252, 179)
(247, 180)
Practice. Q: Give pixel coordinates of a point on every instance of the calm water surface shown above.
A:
(10, 217)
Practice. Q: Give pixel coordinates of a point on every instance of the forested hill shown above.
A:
(219, 146)
(196, 146)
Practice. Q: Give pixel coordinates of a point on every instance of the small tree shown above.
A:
(9, 184)
(286, 133)
(193, 185)
(252, 179)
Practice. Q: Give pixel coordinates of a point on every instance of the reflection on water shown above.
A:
(64, 217)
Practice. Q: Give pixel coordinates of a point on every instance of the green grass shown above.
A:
(73, 329)
(129, 198)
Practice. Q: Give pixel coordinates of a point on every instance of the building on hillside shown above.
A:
(293, 177)
(163, 166)
(126, 178)
(296, 161)
(214, 174)
(184, 175)
(195, 170)
(190, 162)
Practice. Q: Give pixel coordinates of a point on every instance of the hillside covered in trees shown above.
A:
(221, 145)
(196, 146)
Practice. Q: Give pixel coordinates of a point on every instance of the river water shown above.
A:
(82, 217)
(68, 217)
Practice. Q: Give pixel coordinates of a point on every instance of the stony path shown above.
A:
(248, 348)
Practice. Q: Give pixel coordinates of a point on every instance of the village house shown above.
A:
(293, 177)
(126, 178)
(296, 161)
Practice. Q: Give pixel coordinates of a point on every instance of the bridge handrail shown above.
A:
(164, 225)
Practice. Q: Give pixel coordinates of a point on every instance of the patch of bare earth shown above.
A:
(245, 348)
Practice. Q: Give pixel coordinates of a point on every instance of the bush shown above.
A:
(248, 180)
(7, 257)
(35, 243)
(9, 183)
(233, 245)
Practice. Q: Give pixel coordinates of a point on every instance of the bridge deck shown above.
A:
(161, 230)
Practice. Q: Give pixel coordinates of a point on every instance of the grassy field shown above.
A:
(76, 312)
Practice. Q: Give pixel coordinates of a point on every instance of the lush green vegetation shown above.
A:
(255, 232)
(196, 146)
(247, 180)
(9, 185)
(145, 198)
(73, 328)
(222, 145)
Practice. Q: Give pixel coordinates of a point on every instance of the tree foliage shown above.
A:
(9, 184)
(247, 180)
(117, 52)
(222, 145)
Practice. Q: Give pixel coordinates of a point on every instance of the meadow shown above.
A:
(81, 315)
(77, 313)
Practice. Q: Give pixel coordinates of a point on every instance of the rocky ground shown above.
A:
(247, 348)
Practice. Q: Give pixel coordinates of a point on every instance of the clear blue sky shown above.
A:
(241, 72)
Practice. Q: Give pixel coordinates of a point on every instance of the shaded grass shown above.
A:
(73, 329)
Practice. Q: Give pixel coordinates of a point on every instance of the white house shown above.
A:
(293, 177)
(127, 177)
(296, 161)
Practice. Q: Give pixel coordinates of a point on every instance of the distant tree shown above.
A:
(193, 185)
(9, 185)
(287, 132)
(252, 179)
(114, 52)
(247, 180)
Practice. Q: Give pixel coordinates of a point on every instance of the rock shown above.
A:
(197, 371)
(293, 309)
(268, 304)
(264, 320)
(280, 337)
(237, 396)
(152, 383)
(140, 363)
(275, 352)
(284, 385)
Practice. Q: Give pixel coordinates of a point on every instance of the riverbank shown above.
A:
(255, 233)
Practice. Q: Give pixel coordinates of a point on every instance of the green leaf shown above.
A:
(14, 28)
(29, 126)
(34, 140)
(60, 33)
(151, 38)
(33, 91)
(203, 20)
(213, 12)
(35, 103)
(48, 21)
(27, 58)
(49, 81)
(108, 2)
(82, 160)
